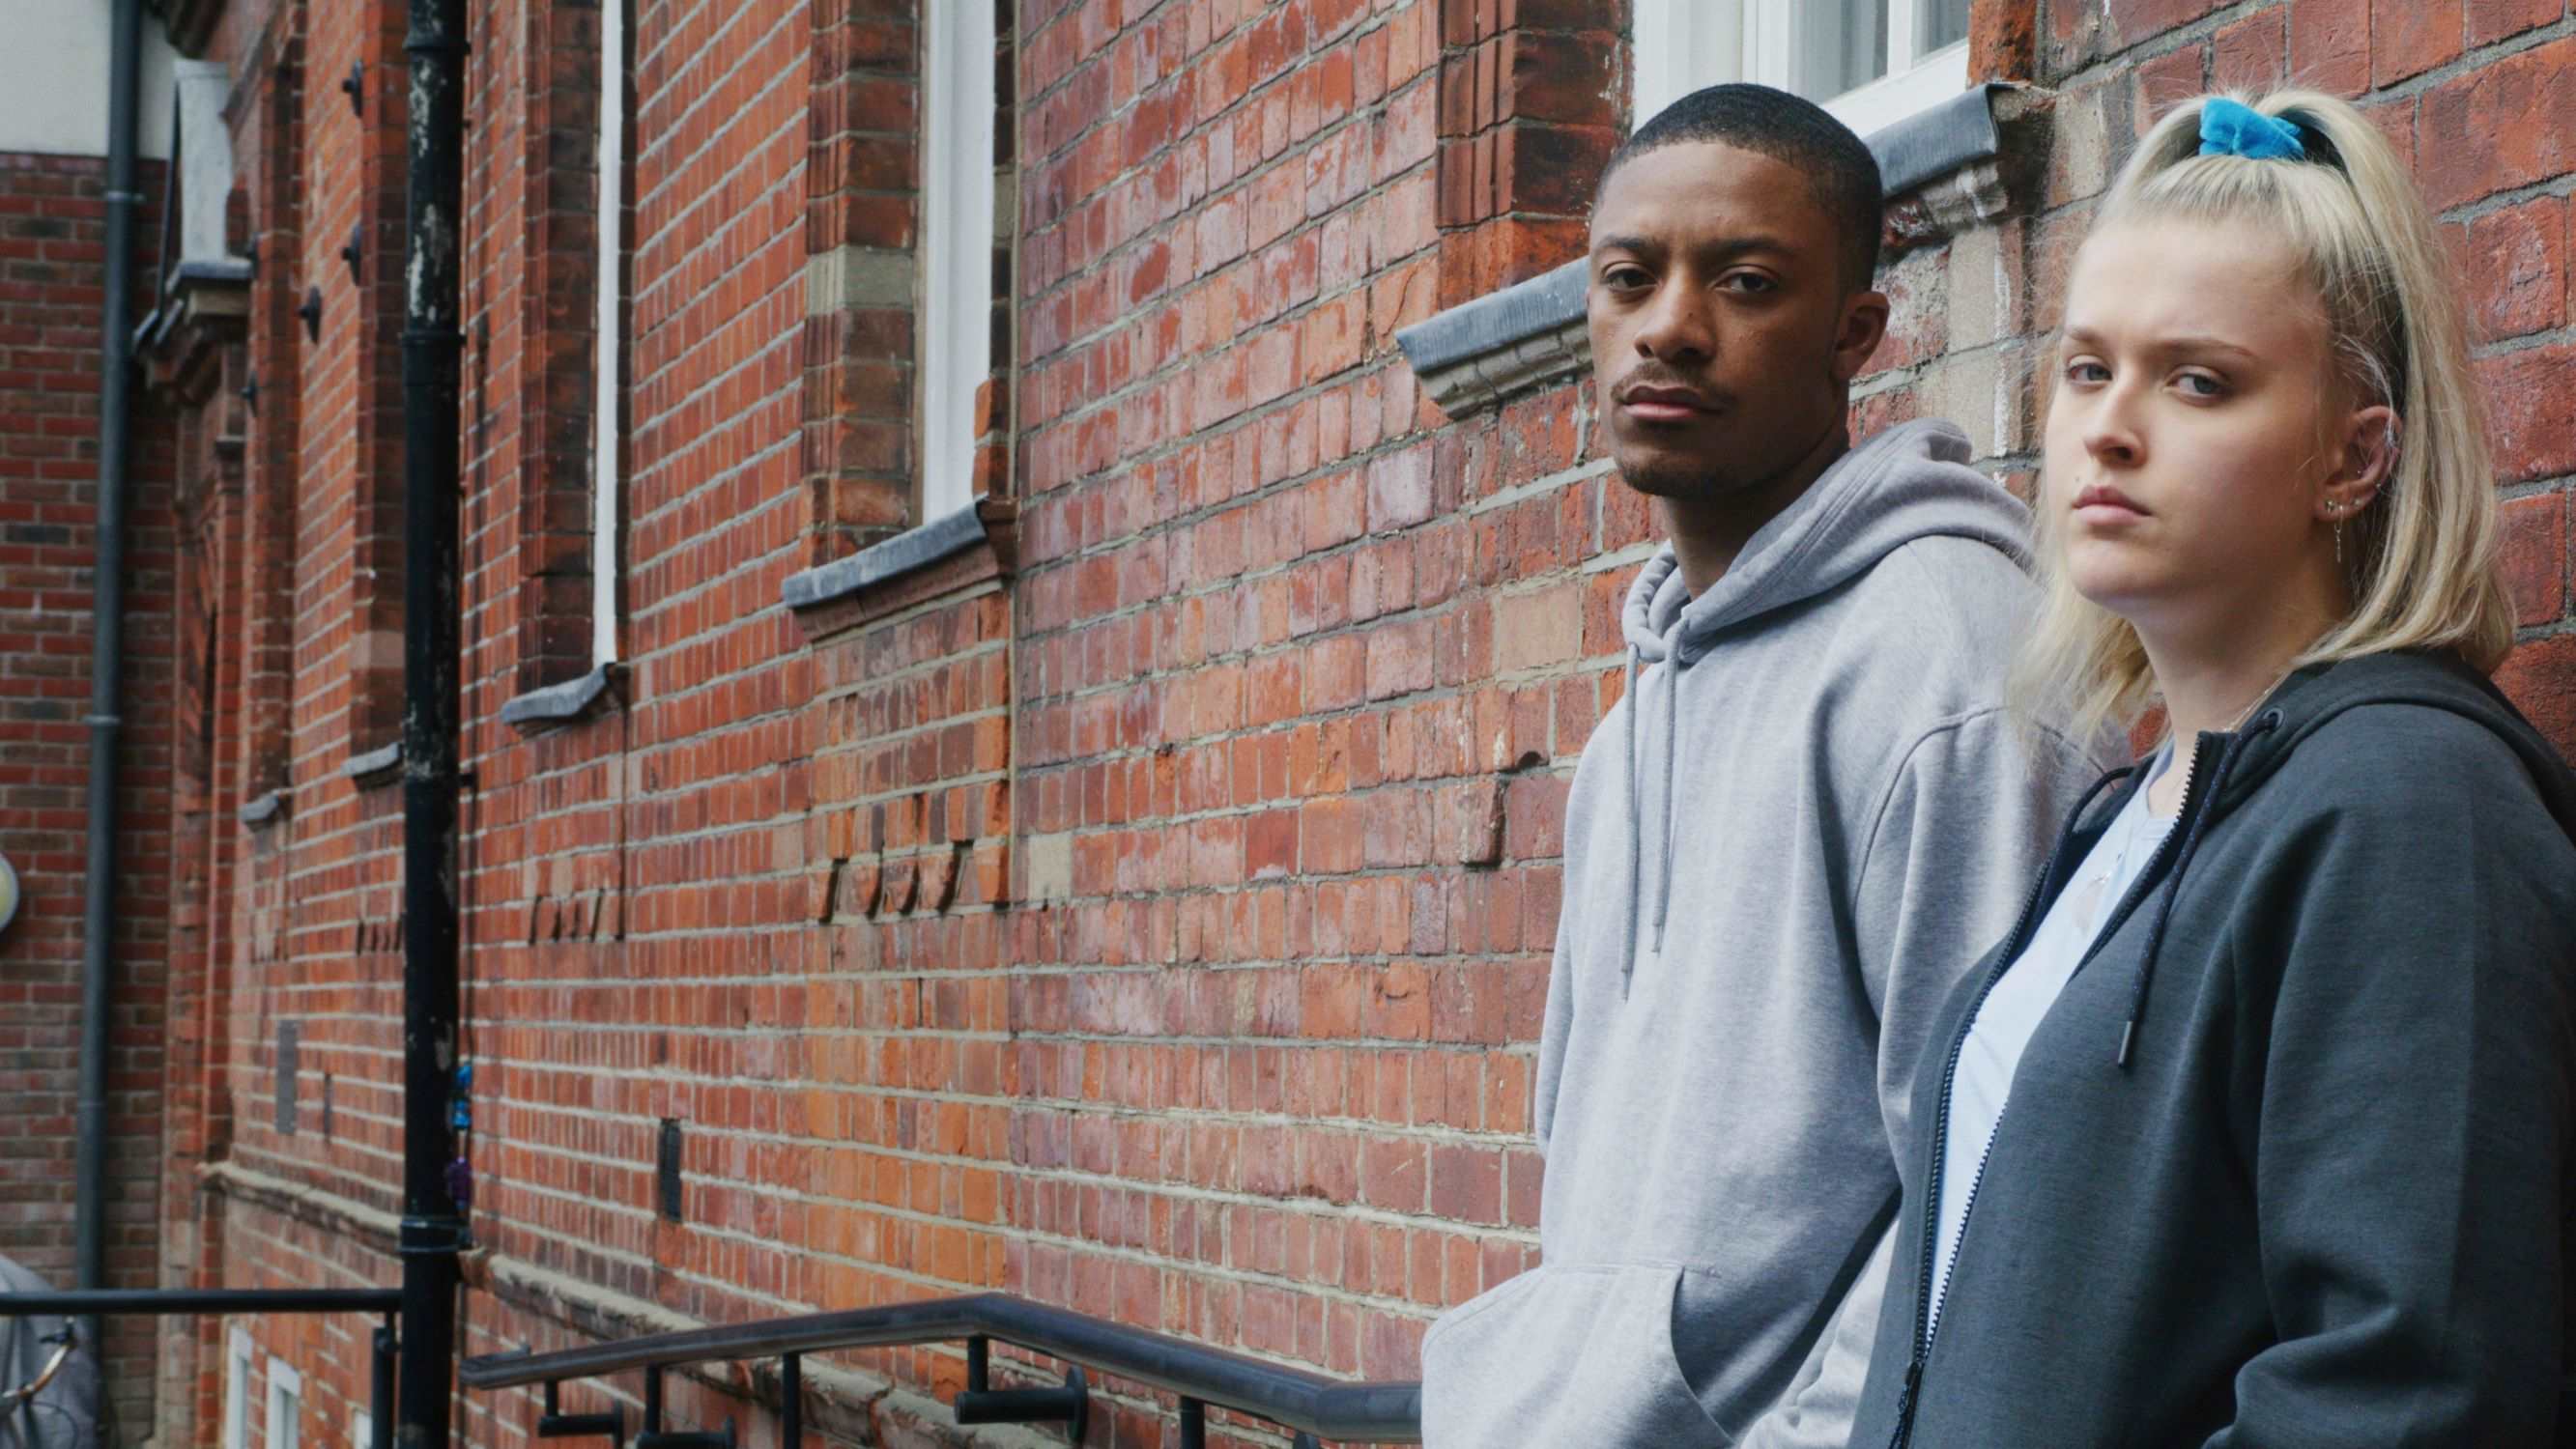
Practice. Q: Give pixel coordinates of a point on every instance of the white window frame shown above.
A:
(957, 204)
(285, 1406)
(1682, 45)
(607, 370)
(239, 1354)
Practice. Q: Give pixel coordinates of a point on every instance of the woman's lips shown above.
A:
(2104, 505)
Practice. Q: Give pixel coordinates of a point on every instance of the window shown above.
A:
(608, 370)
(237, 1357)
(285, 1404)
(956, 246)
(1870, 62)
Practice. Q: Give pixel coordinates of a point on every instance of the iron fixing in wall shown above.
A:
(354, 86)
(311, 312)
(667, 1168)
(354, 248)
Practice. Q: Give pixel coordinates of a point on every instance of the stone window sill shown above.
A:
(965, 548)
(379, 766)
(558, 704)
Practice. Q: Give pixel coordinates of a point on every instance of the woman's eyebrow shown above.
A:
(2202, 342)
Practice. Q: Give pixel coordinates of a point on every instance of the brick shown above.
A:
(2252, 54)
(2535, 557)
(2515, 261)
(2502, 126)
(2410, 37)
(2167, 81)
(2540, 676)
(2330, 45)
(2534, 436)
(2494, 20)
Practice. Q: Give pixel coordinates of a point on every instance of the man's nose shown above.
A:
(1677, 326)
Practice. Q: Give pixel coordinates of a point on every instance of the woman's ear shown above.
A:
(2366, 459)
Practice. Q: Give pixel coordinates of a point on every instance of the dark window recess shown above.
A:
(326, 1106)
(668, 1169)
(287, 1033)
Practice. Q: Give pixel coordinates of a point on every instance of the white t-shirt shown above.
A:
(2012, 1011)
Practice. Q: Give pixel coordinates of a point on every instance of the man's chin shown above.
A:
(1663, 475)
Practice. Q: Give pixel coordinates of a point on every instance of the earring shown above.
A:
(2335, 508)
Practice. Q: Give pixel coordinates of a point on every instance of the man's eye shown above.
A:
(1624, 278)
(1753, 282)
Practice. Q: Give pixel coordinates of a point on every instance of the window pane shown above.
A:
(1939, 23)
(1842, 46)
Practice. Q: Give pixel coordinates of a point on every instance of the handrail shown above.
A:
(180, 1302)
(1331, 1408)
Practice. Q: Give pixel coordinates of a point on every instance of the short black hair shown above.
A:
(1796, 132)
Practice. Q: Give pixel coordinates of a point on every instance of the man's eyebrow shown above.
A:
(1726, 250)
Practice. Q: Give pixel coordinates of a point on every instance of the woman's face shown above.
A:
(2187, 449)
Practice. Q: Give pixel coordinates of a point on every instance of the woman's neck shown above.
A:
(2213, 677)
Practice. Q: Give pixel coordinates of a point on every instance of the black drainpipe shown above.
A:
(106, 661)
(432, 347)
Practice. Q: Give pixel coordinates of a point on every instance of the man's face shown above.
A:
(1723, 338)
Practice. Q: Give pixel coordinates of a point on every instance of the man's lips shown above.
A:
(1665, 404)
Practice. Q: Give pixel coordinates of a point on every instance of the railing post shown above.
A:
(380, 1396)
(1193, 1424)
(791, 1401)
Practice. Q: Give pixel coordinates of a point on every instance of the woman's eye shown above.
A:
(2085, 369)
(2200, 384)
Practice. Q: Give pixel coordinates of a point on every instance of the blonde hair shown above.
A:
(2420, 560)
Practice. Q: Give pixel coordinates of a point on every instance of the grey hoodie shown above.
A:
(1806, 818)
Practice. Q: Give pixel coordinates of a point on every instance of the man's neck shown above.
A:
(1709, 532)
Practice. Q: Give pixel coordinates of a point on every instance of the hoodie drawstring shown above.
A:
(2192, 831)
(1637, 813)
(1636, 826)
(1672, 790)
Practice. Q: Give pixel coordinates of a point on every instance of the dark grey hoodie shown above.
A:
(2287, 1162)
(1805, 818)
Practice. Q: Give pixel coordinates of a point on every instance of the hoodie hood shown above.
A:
(1911, 481)
(2315, 696)
(1908, 483)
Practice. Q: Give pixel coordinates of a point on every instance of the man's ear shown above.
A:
(1862, 327)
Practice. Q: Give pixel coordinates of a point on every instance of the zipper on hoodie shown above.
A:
(2014, 944)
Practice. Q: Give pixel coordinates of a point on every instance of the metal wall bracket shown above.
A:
(654, 1436)
(311, 312)
(354, 86)
(982, 1404)
(554, 1423)
(355, 248)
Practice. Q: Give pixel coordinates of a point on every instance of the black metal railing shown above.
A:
(85, 1303)
(1314, 1406)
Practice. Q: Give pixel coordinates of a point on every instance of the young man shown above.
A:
(1807, 816)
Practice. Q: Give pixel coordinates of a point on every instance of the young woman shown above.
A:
(2255, 1129)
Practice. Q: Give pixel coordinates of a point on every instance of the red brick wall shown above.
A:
(1148, 910)
(53, 223)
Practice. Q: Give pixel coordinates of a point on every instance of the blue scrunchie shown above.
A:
(2231, 128)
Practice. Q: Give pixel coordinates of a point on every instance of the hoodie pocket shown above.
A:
(1563, 1355)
